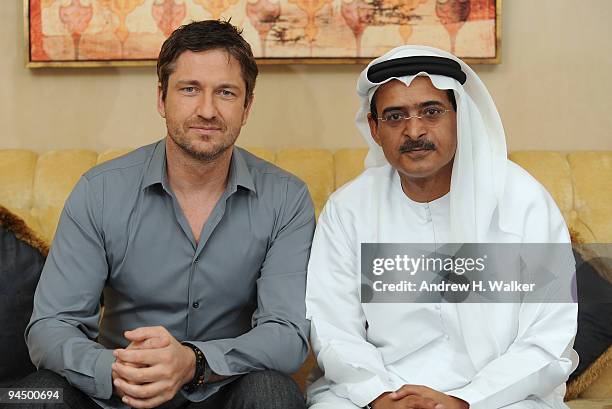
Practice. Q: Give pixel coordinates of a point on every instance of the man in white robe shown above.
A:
(437, 172)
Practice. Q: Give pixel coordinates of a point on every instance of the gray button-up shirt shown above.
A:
(238, 295)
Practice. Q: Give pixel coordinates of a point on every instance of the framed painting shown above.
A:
(85, 33)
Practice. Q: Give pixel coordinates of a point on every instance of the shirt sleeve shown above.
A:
(66, 310)
(278, 339)
(352, 365)
(541, 358)
(536, 363)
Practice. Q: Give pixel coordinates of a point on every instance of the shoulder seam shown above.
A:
(102, 171)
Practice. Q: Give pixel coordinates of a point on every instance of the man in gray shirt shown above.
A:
(199, 248)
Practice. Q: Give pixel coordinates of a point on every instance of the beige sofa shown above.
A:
(34, 186)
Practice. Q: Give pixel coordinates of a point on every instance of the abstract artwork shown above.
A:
(130, 32)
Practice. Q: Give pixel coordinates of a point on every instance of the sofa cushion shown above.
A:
(348, 164)
(590, 404)
(315, 167)
(553, 171)
(17, 168)
(23, 256)
(262, 153)
(56, 174)
(110, 154)
(592, 192)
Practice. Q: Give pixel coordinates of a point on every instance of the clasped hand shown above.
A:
(418, 397)
(152, 369)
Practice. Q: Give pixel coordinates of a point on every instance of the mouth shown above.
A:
(417, 153)
(206, 130)
(423, 149)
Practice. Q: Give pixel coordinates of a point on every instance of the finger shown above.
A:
(150, 343)
(406, 390)
(144, 403)
(118, 391)
(136, 375)
(139, 357)
(145, 391)
(115, 375)
(142, 333)
(427, 403)
(133, 365)
(419, 402)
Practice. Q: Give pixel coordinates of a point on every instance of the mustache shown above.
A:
(420, 144)
(203, 123)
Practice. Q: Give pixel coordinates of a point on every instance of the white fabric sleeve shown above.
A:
(353, 366)
(538, 361)
(541, 357)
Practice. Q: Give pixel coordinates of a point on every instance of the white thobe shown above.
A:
(490, 355)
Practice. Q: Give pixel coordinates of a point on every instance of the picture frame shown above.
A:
(111, 33)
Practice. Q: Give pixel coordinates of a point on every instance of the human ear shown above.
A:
(373, 123)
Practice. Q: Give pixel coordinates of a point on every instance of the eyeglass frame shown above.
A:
(420, 117)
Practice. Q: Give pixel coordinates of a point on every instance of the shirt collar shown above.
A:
(240, 171)
(156, 171)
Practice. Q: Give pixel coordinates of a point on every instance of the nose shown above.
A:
(414, 128)
(206, 107)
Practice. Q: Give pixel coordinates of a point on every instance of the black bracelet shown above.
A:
(202, 370)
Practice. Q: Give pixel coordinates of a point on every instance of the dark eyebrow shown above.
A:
(228, 85)
(197, 84)
(389, 109)
(188, 82)
(430, 103)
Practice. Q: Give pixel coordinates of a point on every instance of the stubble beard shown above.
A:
(177, 134)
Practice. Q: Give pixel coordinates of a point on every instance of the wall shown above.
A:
(552, 89)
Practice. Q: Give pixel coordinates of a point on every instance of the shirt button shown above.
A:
(196, 305)
(437, 306)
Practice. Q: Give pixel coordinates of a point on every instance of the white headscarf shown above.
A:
(479, 168)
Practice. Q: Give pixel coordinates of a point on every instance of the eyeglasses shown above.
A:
(429, 115)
